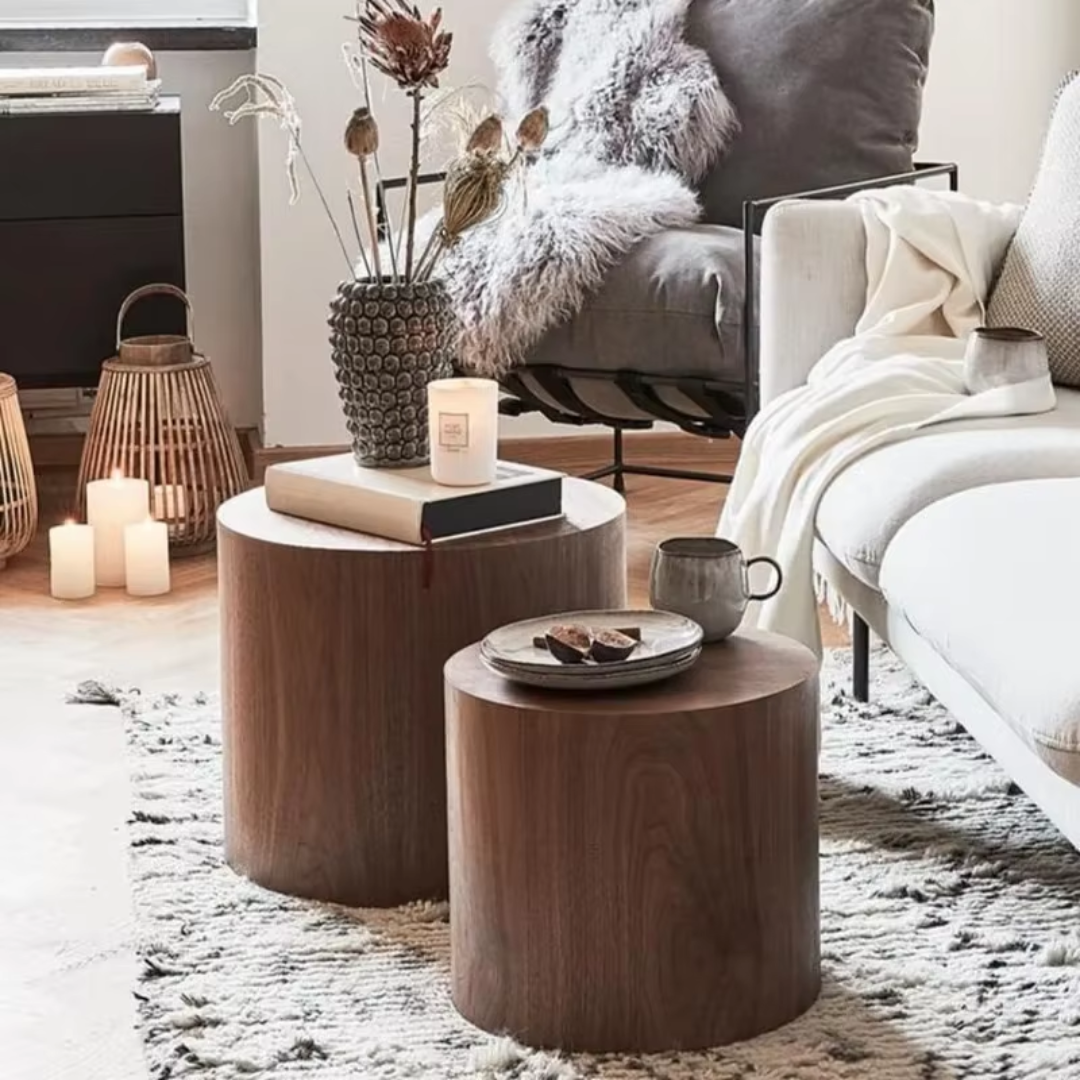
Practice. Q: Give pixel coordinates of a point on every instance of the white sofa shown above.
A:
(961, 548)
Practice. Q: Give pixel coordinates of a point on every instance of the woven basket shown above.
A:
(18, 491)
(163, 422)
(389, 342)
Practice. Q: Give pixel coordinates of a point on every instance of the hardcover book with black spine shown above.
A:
(406, 504)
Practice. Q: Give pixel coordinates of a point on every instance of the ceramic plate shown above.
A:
(597, 677)
(665, 638)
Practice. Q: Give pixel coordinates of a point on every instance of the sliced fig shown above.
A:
(569, 644)
(611, 646)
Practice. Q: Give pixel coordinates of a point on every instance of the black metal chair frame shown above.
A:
(728, 405)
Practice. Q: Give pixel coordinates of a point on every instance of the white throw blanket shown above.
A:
(930, 262)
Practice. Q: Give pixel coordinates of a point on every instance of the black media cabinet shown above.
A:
(91, 207)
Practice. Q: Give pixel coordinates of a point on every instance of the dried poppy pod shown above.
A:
(533, 131)
(487, 138)
(362, 134)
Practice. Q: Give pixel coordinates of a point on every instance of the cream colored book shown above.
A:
(406, 504)
(36, 82)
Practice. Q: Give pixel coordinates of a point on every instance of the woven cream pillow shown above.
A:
(1039, 287)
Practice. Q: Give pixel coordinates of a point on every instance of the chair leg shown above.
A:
(860, 636)
(619, 473)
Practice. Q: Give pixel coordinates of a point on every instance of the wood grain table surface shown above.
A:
(637, 870)
(333, 646)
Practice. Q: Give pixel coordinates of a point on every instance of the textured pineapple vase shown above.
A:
(389, 342)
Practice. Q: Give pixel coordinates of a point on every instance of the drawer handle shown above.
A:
(160, 289)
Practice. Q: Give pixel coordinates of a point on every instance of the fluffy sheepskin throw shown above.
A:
(637, 115)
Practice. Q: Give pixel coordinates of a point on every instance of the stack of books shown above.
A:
(92, 89)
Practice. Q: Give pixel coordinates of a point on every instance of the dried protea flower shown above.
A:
(403, 45)
(472, 193)
(487, 138)
(532, 132)
(362, 134)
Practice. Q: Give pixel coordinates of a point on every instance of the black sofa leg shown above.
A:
(860, 638)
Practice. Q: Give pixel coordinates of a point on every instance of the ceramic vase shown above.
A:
(389, 342)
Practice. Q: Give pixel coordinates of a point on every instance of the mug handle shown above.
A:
(779, 577)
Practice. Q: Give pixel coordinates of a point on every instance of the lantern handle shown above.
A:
(159, 289)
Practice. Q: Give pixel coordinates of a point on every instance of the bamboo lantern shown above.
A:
(18, 492)
(158, 417)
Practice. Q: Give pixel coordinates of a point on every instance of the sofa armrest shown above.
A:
(813, 288)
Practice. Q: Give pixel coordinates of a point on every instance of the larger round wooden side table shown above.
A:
(637, 871)
(333, 647)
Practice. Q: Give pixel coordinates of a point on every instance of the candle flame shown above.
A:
(117, 474)
(70, 521)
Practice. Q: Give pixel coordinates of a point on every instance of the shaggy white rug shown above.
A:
(951, 934)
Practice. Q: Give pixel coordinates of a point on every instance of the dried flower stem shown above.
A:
(356, 232)
(414, 177)
(326, 206)
(387, 222)
(369, 207)
(430, 256)
(391, 242)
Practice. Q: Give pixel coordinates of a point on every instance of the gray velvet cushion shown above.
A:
(1039, 287)
(673, 307)
(827, 91)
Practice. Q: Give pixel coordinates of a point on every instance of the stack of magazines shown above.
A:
(91, 89)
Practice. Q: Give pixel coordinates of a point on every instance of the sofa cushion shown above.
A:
(827, 92)
(1039, 286)
(868, 502)
(673, 307)
(986, 578)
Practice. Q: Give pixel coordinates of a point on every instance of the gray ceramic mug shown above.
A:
(707, 580)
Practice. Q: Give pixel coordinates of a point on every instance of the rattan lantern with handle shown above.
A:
(18, 491)
(158, 417)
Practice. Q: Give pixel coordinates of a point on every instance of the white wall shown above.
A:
(221, 192)
(995, 69)
(221, 196)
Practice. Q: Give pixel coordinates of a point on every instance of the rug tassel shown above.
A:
(92, 692)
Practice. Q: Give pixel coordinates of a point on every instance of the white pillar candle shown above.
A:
(71, 561)
(112, 505)
(464, 419)
(146, 558)
(170, 503)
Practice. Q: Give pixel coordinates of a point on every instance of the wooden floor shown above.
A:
(657, 509)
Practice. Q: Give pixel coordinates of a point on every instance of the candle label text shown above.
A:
(454, 431)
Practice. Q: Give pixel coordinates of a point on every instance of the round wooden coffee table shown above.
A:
(333, 646)
(637, 871)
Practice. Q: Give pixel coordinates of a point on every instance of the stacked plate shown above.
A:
(668, 645)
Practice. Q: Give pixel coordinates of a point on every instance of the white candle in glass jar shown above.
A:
(146, 558)
(170, 503)
(112, 505)
(463, 415)
(71, 561)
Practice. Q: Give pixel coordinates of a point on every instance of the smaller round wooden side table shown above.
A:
(333, 647)
(637, 871)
